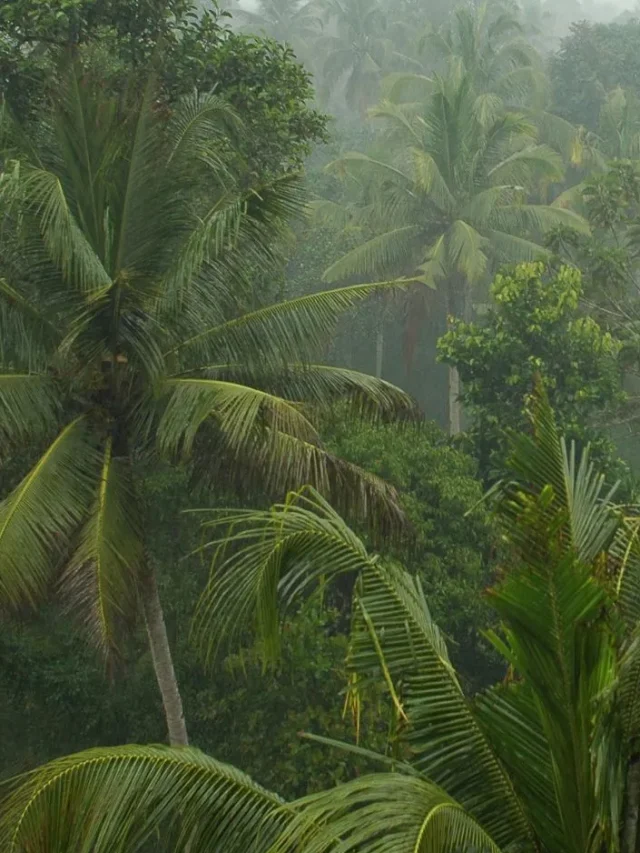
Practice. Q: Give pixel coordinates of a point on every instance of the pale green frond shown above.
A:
(400, 87)
(539, 160)
(383, 813)
(100, 581)
(241, 413)
(434, 268)
(330, 213)
(28, 407)
(39, 517)
(286, 331)
(430, 180)
(198, 124)
(126, 799)
(398, 122)
(536, 219)
(387, 253)
(466, 250)
(360, 166)
(487, 109)
(511, 249)
(40, 194)
(482, 204)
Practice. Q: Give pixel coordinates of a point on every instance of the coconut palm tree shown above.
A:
(130, 328)
(296, 23)
(447, 192)
(547, 760)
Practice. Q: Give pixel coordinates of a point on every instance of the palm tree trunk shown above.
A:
(632, 808)
(379, 349)
(163, 662)
(455, 408)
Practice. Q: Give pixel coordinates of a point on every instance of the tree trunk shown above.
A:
(455, 408)
(632, 807)
(379, 348)
(162, 662)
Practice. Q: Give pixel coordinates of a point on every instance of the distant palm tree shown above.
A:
(448, 195)
(546, 760)
(292, 21)
(130, 329)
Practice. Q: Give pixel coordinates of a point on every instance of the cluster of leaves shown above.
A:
(534, 326)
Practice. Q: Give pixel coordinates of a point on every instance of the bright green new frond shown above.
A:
(100, 582)
(123, 799)
(381, 814)
(242, 414)
(40, 515)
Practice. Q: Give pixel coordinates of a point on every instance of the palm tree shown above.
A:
(447, 191)
(356, 50)
(546, 760)
(129, 329)
(294, 22)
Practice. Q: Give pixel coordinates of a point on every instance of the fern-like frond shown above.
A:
(384, 254)
(28, 407)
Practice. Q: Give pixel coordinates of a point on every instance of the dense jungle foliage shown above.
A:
(319, 350)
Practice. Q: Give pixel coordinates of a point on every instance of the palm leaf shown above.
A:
(121, 799)
(100, 582)
(383, 813)
(384, 254)
(28, 406)
(40, 515)
(241, 414)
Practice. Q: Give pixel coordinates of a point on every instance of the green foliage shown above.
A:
(259, 77)
(533, 326)
(450, 539)
(593, 60)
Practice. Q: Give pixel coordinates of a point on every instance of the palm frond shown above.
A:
(39, 193)
(536, 219)
(466, 250)
(40, 515)
(430, 180)
(124, 798)
(291, 330)
(241, 413)
(100, 581)
(28, 407)
(385, 253)
(382, 813)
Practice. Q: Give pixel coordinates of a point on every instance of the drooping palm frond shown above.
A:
(322, 385)
(38, 518)
(121, 799)
(241, 413)
(378, 255)
(383, 813)
(100, 581)
(276, 555)
(293, 330)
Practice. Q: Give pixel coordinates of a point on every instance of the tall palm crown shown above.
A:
(129, 328)
(356, 49)
(294, 22)
(449, 191)
(547, 761)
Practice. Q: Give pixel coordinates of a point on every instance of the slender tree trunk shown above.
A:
(632, 807)
(455, 408)
(163, 662)
(379, 348)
